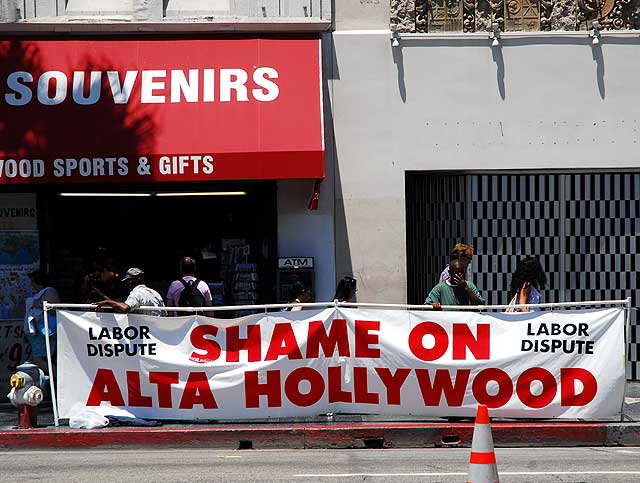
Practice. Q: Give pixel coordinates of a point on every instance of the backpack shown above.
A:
(191, 296)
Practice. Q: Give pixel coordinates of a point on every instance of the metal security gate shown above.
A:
(584, 227)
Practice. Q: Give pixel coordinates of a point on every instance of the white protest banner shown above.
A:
(560, 364)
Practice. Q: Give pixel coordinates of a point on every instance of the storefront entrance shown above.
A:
(226, 226)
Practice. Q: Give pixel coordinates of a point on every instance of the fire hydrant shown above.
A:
(27, 386)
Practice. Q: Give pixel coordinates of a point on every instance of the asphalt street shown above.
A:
(516, 465)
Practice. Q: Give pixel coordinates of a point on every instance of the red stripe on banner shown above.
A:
(483, 458)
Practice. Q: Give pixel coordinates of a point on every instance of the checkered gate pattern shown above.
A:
(512, 216)
(602, 244)
(584, 227)
(436, 214)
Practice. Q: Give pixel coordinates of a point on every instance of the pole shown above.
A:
(336, 304)
(627, 334)
(54, 399)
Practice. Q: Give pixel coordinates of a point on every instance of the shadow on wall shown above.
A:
(343, 261)
(496, 53)
(598, 58)
(398, 59)
(69, 129)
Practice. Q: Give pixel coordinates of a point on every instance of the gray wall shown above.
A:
(311, 233)
(537, 103)
(361, 14)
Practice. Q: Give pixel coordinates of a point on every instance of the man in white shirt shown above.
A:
(140, 296)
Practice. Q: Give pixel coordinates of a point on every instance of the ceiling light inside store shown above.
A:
(186, 193)
(104, 194)
(205, 193)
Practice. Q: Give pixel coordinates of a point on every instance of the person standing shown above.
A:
(139, 296)
(526, 283)
(298, 295)
(461, 252)
(346, 289)
(188, 291)
(456, 290)
(34, 319)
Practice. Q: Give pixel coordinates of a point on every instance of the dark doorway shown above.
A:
(154, 232)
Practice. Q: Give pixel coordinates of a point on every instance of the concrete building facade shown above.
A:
(524, 147)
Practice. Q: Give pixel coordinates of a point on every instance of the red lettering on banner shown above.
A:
(549, 387)
(364, 339)
(164, 381)
(253, 389)
(505, 387)
(393, 383)
(442, 384)
(251, 343)
(283, 342)
(292, 386)
(337, 337)
(361, 387)
(416, 341)
(568, 378)
(134, 395)
(336, 394)
(462, 338)
(105, 388)
(197, 391)
(200, 342)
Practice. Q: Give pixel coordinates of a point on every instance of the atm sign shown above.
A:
(295, 262)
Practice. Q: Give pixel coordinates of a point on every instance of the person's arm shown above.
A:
(171, 293)
(433, 299)
(207, 294)
(474, 296)
(523, 296)
(133, 302)
(120, 307)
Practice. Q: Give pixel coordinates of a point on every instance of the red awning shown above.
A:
(152, 110)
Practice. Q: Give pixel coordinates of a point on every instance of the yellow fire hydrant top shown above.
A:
(16, 381)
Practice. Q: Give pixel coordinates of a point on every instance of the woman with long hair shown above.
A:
(297, 295)
(527, 282)
(346, 289)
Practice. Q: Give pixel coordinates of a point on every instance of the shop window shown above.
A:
(188, 8)
(172, 9)
(28, 9)
(99, 7)
(243, 8)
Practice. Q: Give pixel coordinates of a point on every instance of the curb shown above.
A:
(327, 437)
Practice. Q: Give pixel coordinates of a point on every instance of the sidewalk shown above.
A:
(343, 431)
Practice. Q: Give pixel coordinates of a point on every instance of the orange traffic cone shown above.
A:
(482, 463)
